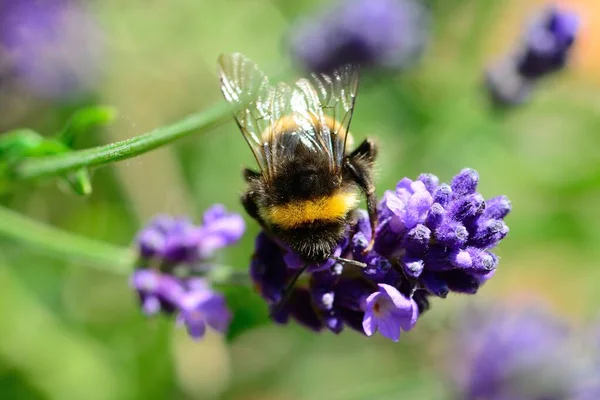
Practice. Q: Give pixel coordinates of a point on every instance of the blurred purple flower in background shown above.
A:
(528, 354)
(173, 258)
(544, 49)
(54, 47)
(431, 239)
(374, 33)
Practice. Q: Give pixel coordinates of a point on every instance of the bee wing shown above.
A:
(318, 109)
(246, 87)
(306, 108)
(336, 94)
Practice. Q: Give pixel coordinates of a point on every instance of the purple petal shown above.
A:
(151, 242)
(195, 327)
(389, 327)
(145, 280)
(404, 189)
(393, 203)
(430, 181)
(417, 207)
(400, 302)
(293, 260)
(407, 322)
(369, 323)
(231, 227)
(213, 213)
(151, 305)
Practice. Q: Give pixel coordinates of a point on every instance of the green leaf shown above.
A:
(248, 308)
(80, 181)
(16, 144)
(84, 120)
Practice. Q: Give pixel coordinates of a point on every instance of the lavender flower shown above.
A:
(168, 279)
(545, 49)
(547, 43)
(441, 235)
(389, 311)
(431, 239)
(177, 240)
(384, 33)
(508, 354)
(55, 47)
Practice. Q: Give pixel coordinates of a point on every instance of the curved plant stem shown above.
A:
(38, 167)
(68, 245)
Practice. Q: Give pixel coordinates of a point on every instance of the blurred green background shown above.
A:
(69, 332)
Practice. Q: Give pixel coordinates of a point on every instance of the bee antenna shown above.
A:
(287, 292)
(350, 262)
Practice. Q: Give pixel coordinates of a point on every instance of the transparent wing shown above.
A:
(317, 111)
(314, 113)
(246, 87)
(336, 93)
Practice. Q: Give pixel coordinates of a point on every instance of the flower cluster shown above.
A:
(173, 262)
(54, 47)
(384, 33)
(527, 354)
(545, 49)
(431, 239)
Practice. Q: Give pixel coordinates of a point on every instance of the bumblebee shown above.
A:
(307, 186)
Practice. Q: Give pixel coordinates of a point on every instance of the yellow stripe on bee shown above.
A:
(325, 209)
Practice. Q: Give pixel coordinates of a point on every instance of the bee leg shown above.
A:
(250, 174)
(359, 164)
(367, 150)
(287, 292)
(249, 204)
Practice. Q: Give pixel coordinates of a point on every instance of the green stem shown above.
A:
(100, 255)
(56, 241)
(38, 167)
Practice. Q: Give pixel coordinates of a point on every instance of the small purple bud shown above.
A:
(461, 259)
(442, 194)
(497, 207)
(430, 181)
(483, 261)
(435, 216)
(434, 285)
(467, 207)
(465, 182)
(412, 266)
(417, 239)
(451, 234)
(489, 233)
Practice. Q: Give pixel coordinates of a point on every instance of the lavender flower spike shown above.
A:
(173, 262)
(545, 49)
(442, 234)
(381, 33)
(388, 311)
(431, 239)
(527, 354)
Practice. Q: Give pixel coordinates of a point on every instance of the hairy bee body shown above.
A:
(308, 187)
(304, 204)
